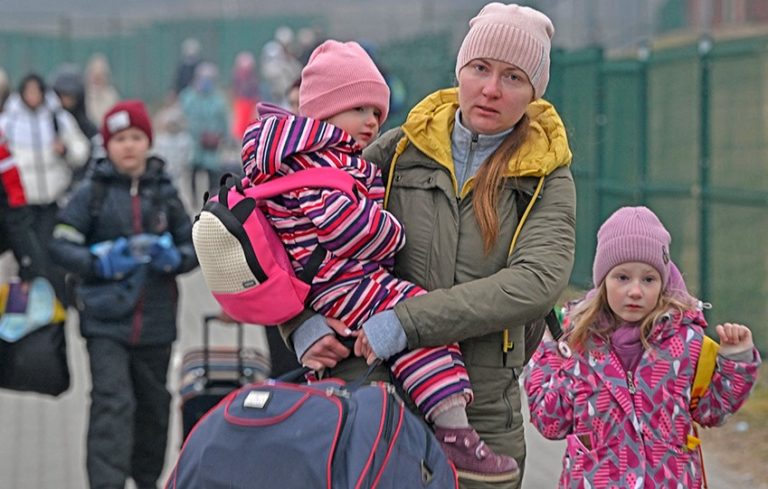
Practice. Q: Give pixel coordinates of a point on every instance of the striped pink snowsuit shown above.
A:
(354, 281)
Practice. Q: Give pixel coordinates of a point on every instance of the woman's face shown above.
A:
(32, 94)
(493, 95)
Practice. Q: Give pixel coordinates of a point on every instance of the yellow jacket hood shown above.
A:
(430, 123)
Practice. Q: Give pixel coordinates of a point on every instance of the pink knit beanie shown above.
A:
(513, 34)
(340, 76)
(631, 234)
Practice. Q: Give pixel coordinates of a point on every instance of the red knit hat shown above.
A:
(123, 115)
(632, 234)
(340, 76)
(514, 34)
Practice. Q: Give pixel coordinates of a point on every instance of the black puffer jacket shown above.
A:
(104, 208)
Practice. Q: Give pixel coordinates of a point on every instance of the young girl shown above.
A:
(343, 102)
(617, 386)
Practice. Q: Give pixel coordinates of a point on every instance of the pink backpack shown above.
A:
(243, 260)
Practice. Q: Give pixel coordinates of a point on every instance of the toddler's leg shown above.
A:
(437, 382)
(431, 376)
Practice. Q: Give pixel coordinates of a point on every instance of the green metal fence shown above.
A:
(144, 60)
(682, 130)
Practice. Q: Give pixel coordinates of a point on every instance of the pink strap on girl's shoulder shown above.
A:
(333, 178)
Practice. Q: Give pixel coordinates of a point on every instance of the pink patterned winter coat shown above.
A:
(630, 431)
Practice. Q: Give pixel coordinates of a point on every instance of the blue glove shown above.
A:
(113, 259)
(164, 254)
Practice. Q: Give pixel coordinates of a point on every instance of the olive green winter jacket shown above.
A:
(474, 297)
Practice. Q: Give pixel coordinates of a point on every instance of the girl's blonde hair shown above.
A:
(488, 180)
(593, 316)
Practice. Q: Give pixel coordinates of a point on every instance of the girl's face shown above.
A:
(362, 123)
(32, 94)
(633, 290)
(493, 95)
(128, 151)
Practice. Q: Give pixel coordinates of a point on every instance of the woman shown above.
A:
(459, 172)
(48, 147)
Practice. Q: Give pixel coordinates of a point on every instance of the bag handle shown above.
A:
(334, 178)
(207, 342)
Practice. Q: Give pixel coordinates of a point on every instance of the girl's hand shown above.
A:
(363, 348)
(734, 338)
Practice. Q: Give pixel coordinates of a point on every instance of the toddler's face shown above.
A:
(362, 123)
(633, 290)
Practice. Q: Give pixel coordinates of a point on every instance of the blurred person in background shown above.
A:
(5, 87)
(245, 93)
(16, 220)
(292, 96)
(207, 122)
(172, 142)
(307, 39)
(68, 84)
(190, 58)
(458, 172)
(100, 93)
(126, 234)
(47, 145)
(397, 91)
(279, 67)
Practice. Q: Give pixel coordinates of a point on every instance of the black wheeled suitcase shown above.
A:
(209, 373)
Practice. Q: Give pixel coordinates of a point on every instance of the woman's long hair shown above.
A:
(593, 316)
(488, 181)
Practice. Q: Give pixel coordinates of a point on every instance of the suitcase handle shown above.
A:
(206, 344)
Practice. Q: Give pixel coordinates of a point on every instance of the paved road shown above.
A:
(42, 439)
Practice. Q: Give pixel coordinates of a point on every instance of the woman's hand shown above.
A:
(734, 338)
(328, 351)
(363, 348)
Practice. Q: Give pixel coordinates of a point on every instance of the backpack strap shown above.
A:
(313, 264)
(399, 149)
(524, 206)
(333, 178)
(705, 368)
(55, 122)
(325, 177)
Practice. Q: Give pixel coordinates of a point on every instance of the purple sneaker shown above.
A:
(473, 459)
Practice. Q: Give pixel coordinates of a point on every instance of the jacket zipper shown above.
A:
(138, 316)
(510, 411)
(468, 163)
(631, 383)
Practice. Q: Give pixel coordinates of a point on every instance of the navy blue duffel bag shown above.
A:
(276, 434)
